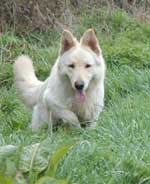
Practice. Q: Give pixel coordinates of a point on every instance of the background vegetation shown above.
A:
(118, 150)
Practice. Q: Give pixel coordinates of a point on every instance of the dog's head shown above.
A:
(81, 62)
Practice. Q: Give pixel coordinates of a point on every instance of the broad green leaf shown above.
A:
(5, 180)
(53, 162)
(7, 159)
(49, 180)
(7, 150)
(33, 158)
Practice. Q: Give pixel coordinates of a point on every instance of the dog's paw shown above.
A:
(89, 125)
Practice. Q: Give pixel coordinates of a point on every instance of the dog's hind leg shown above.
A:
(35, 119)
(39, 117)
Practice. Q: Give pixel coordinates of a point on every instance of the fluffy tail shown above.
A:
(28, 86)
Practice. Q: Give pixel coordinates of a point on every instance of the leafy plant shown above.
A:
(5, 180)
(49, 180)
(33, 159)
(52, 167)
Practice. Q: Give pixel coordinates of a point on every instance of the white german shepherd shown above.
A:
(74, 91)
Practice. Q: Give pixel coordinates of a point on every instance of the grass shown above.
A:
(118, 151)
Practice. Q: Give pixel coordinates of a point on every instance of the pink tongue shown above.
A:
(80, 96)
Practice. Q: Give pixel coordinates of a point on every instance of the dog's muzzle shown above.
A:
(79, 85)
(80, 93)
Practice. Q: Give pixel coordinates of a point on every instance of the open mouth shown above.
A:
(80, 96)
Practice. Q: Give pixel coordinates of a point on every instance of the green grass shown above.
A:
(118, 151)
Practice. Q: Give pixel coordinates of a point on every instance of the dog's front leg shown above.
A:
(64, 114)
(68, 116)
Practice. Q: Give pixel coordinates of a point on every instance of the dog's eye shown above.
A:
(71, 66)
(88, 66)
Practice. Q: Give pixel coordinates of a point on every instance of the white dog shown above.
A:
(74, 91)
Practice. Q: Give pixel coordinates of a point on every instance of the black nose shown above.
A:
(79, 85)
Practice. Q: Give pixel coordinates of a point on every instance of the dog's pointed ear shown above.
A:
(89, 40)
(67, 41)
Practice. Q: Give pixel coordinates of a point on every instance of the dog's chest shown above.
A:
(86, 111)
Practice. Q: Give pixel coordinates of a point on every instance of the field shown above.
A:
(118, 150)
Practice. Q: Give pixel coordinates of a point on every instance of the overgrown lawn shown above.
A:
(118, 150)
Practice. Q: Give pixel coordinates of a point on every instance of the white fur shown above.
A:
(54, 98)
(26, 81)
